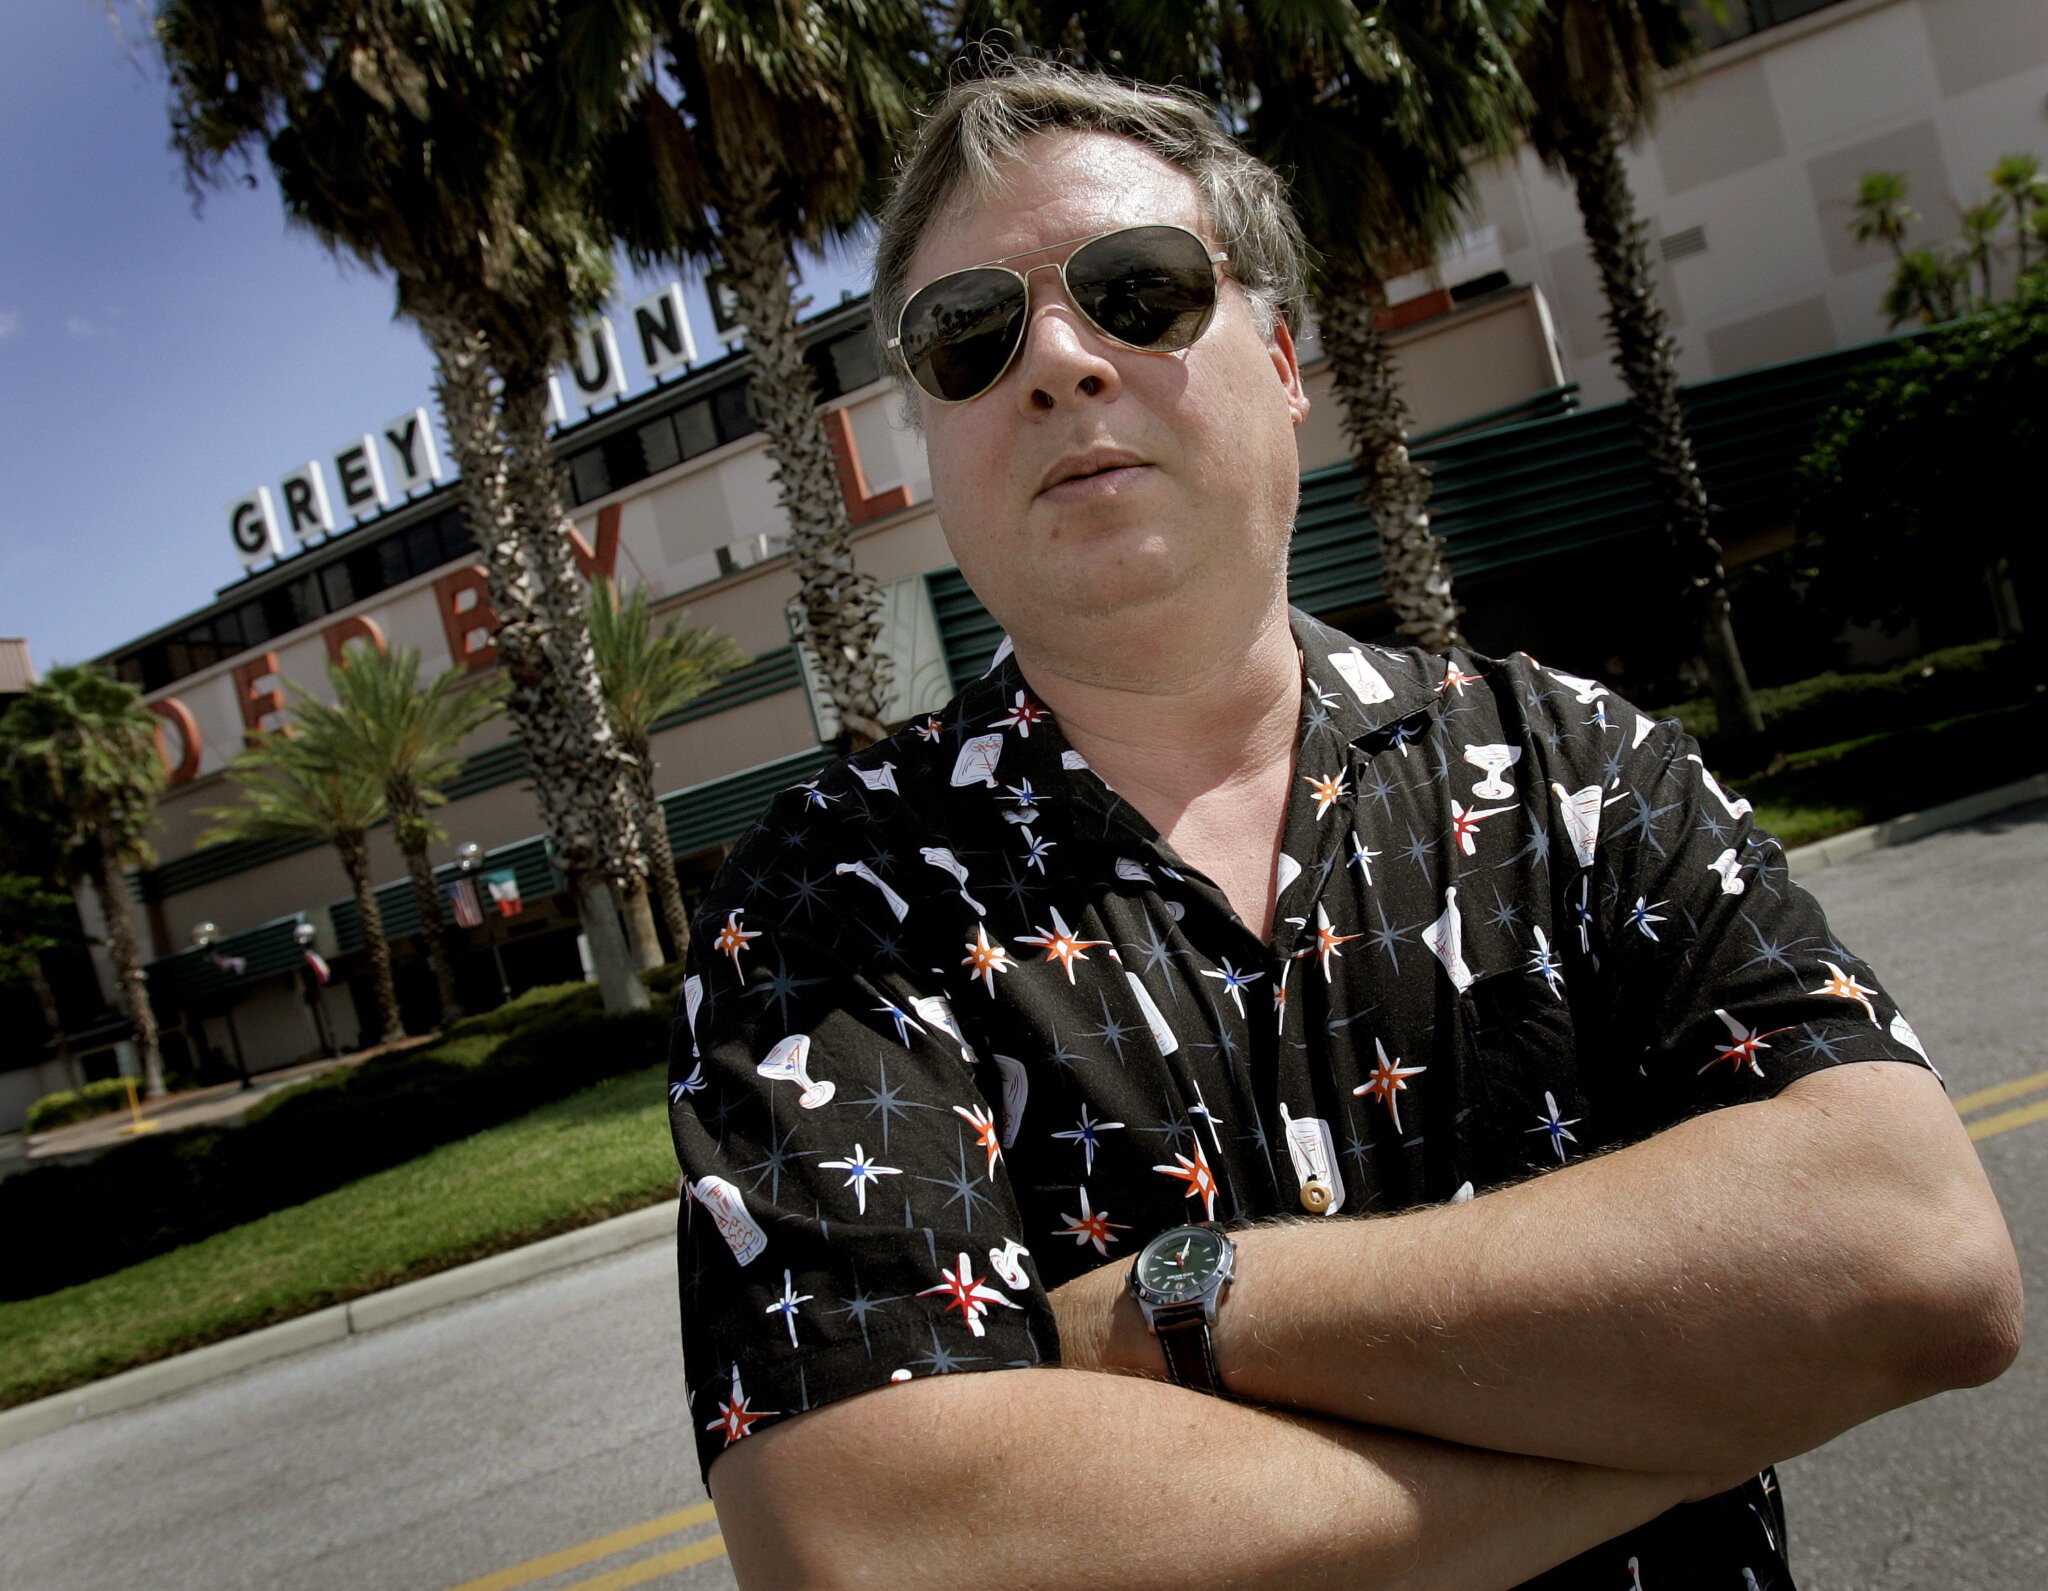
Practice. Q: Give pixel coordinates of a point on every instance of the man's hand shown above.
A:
(1731, 1292)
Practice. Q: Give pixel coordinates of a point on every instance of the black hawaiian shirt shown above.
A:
(960, 1025)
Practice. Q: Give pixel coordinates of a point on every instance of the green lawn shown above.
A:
(595, 1154)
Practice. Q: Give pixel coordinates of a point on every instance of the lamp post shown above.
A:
(303, 936)
(469, 856)
(203, 937)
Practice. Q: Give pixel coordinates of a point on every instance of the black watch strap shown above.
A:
(1190, 1349)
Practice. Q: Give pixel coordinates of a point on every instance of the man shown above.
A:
(1193, 915)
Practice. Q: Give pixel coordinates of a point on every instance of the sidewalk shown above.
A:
(218, 1105)
(657, 1223)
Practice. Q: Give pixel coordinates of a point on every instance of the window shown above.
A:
(734, 415)
(335, 585)
(696, 428)
(589, 476)
(658, 445)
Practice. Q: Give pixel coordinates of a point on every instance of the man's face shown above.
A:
(1095, 482)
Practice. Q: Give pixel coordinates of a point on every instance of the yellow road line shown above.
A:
(1999, 1093)
(652, 1568)
(603, 1547)
(2006, 1120)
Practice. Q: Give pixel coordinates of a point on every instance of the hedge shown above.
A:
(64, 1224)
(68, 1105)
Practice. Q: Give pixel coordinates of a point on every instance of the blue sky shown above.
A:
(156, 362)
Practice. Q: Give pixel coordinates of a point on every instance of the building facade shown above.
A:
(1744, 184)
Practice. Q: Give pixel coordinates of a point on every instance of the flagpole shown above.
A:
(203, 936)
(469, 857)
(303, 936)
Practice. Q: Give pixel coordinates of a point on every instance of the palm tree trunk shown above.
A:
(841, 604)
(112, 886)
(661, 860)
(1414, 576)
(636, 912)
(557, 707)
(355, 859)
(1644, 350)
(46, 1002)
(411, 828)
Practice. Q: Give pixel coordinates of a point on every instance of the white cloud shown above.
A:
(80, 326)
(10, 323)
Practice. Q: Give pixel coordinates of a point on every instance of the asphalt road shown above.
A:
(537, 1437)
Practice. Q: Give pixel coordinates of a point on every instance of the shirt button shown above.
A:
(1315, 1196)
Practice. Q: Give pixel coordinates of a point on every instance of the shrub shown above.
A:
(68, 1105)
(67, 1224)
(1928, 466)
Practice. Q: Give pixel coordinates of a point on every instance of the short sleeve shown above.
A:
(847, 1219)
(1721, 978)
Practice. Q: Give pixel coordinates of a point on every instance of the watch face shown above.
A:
(1181, 1264)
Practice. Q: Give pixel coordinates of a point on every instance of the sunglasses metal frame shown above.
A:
(1216, 257)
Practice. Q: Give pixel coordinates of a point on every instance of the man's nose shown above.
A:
(1064, 359)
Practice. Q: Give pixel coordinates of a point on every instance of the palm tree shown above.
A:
(1594, 69)
(34, 920)
(1375, 115)
(1377, 119)
(784, 120)
(386, 727)
(648, 672)
(299, 785)
(78, 757)
(2017, 179)
(37, 916)
(1924, 283)
(453, 147)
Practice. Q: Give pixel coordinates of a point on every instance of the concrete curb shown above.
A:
(1840, 848)
(148, 1383)
(375, 1310)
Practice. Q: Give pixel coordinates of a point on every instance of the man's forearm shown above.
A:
(1734, 1291)
(1057, 1478)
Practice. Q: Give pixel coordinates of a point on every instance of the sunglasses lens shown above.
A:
(959, 332)
(1152, 287)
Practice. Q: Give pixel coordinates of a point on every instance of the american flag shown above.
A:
(317, 963)
(462, 902)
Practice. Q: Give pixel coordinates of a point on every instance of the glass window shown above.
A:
(391, 561)
(623, 460)
(855, 361)
(696, 428)
(423, 547)
(227, 632)
(336, 586)
(589, 475)
(735, 418)
(365, 572)
(456, 541)
(254, 623)
(658, 445)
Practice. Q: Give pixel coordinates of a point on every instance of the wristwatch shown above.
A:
(1177, 1279)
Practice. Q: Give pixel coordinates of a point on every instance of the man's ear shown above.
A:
(1280, 348)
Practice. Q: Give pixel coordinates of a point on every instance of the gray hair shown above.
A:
(979, 125)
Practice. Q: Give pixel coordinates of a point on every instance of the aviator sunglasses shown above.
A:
(1152, 288)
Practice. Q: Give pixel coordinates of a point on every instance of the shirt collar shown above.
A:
(1365, 688)
(999, 723)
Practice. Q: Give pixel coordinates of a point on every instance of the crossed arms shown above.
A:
(1455, 1397)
